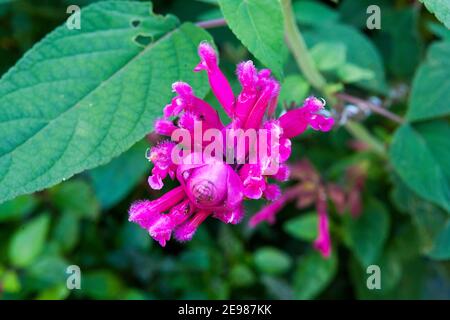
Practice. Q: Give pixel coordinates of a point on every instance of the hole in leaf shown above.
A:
(135, 23)
(143, 40)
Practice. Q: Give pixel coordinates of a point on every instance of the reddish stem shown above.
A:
(367, 105)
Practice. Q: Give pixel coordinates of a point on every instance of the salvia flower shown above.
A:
(311, 189)
(211, 185)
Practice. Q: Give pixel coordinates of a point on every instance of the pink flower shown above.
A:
(210, 186)
(323, 241)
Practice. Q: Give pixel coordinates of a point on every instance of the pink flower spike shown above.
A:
(253, 181)
(321, 123)
(211, 185)
(207, 112)
(234, 216)
(269, 212)
(164, 127)
(248, 77)
(183, 89)
(283, 173)
(323, 240)
(256, 115)
(186, 231)
(174, 108)
(272, 192)
(161, 229)
(145, 212)
(217, 80)
(295, 122)
(285, 149)
(155, 180)
(161, 157)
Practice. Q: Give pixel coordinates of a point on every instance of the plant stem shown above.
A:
(299, 49)
(372, 107)
(208, 24)
(361, 133)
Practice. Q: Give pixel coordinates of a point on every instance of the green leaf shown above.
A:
(112, 182)
(241, 276)
(429, 219)
(349, 73)
(10, 282)
(75, 196)
(197, 259)
(303, 227)
(17, 208)
(81, 97)
(133, 236)
(441, 248)
(278, 288)
(271, 260)
(102, 284)
(294, 89)
(355, 12)
(66, 231)
(58, 292)
(313, 13)
(402, 51)
(420, 155)
(47, 271)
(430, 93)
(368, 233)
(440, 8)
(439, 30)
(360, 51)
(329, 55)
(313, 274)
(391, 273)
(28, 242)
(259, 25)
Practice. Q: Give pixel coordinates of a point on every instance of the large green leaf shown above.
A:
(47, 270)
(28, 242)
(429, 219)
(441, 248)
(430, 93)
(271, 260)
(66, 231)
(303, 227)
(421, 156)
(313, 274)
(440, 8)
(402, 51)
(355, 12)
(259, 25)
(77, 197)
(82, 97)
(368, 232)
(390, 272)
(113, 181)
(102, 284)
(17, 208)
(313, 13)
(360, 51)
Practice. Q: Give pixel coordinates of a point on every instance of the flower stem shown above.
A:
(372, 107)
(358, 131)
(214, 23)
(299, 49)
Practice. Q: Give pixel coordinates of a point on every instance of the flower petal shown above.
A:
(217, 80)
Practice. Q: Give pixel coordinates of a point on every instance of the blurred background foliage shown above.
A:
(83, 221)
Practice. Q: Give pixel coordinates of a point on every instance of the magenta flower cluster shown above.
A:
(214, 187)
